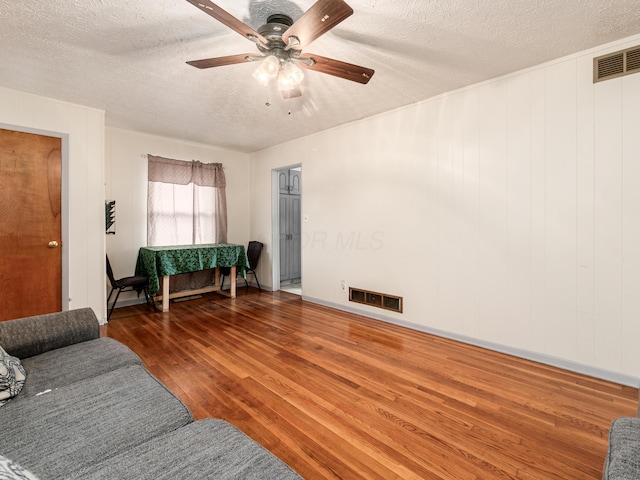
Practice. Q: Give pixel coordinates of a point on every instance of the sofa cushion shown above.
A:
(86, 422)
(12, 377)
(206, 449)
(29, 336)
(64, 366)
(623, 457)
(10, 470)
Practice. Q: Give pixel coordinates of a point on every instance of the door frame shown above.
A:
(275, 225)
(64, 187)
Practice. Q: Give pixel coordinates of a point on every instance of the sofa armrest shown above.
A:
(29, 336)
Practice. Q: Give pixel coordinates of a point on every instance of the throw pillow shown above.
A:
(12, 471)
(12, 376)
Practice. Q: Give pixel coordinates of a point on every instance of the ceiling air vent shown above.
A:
(616, 64)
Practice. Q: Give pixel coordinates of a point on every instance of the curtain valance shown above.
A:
(180, 172)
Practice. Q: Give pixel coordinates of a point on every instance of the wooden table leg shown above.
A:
(216, 277)
(233, 282)
(165, 293)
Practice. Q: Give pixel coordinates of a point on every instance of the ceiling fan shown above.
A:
(281, 41)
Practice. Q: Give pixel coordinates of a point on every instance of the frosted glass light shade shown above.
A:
(290, 76)
(267, 70)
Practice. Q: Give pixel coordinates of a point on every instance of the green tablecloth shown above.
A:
(155, 262)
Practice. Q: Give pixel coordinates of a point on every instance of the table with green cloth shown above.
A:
(156, 262)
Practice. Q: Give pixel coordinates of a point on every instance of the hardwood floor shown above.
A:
(337, 395)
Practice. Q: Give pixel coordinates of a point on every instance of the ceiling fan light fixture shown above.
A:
(268, 69)
(281, 41)
(290, 76)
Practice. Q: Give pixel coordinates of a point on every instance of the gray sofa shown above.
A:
(89, 409)
(623, 456)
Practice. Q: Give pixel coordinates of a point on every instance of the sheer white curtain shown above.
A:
(186, 202)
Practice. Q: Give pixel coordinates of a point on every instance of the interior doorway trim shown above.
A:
(275, 224)
(64, 179)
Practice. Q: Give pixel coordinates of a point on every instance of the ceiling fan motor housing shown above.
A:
(280, 18)
(272, 31)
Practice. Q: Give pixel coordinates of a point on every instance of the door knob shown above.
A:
(52, 244)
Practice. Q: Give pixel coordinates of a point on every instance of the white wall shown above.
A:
(506, 214)
(83, 127)
(126, 183)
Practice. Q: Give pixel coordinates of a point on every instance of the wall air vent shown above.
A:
(616, 64)
(633, 60)
(375, 299)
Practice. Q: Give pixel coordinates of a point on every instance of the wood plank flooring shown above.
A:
(337, 395)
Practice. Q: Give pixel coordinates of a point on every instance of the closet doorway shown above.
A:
(289, 229)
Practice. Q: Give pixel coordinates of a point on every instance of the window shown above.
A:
(186, 202)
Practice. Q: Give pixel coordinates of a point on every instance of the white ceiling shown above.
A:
(128, 57)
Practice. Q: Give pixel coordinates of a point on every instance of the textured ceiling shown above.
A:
(128, 57)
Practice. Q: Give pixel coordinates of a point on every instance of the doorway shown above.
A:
(288, 229)
(31, 230)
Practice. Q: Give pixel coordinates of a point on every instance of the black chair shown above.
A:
(254, 249)
(137, 283)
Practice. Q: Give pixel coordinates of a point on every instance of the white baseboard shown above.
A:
(569, 365)
(565, 364)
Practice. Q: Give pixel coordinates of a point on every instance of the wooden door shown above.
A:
(295, 239)
(283, 182)
(290, 238)
(295, 182)
(284, 237)
(30, 224)
(290, 182)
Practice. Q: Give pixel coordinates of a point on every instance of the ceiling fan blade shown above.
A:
(318, 20)
(337, 68)
(222, 61)
(226, 18)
